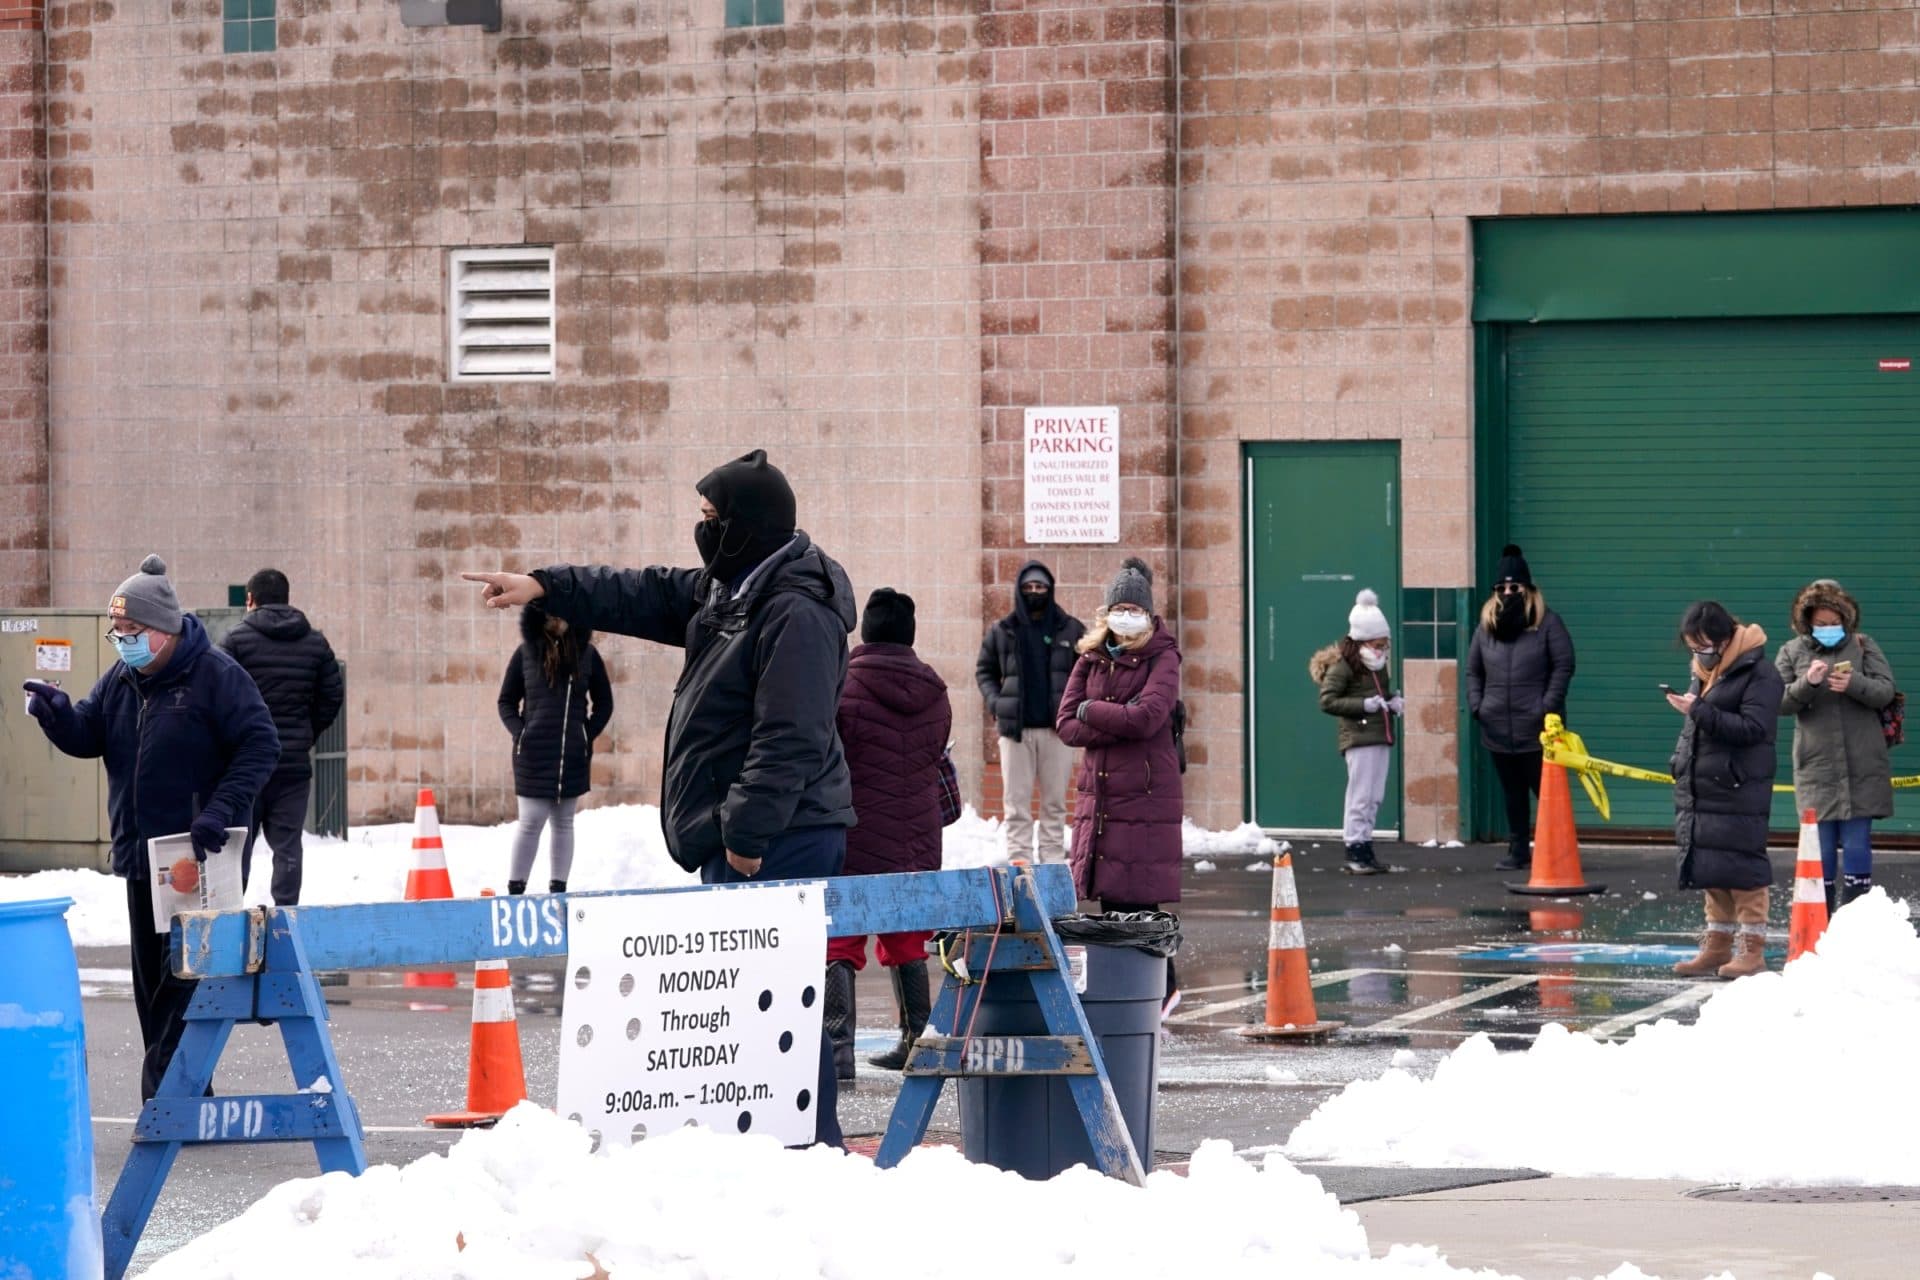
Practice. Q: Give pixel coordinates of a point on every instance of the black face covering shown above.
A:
(1511, 619)
(729, 551)
(1036, 604)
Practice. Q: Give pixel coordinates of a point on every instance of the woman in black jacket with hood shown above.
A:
(1518, 668)
(555, 699)
(1723, 769)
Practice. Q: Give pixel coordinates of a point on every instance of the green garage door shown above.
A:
(1652, 463)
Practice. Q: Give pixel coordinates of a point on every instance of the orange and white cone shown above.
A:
(427, 879)
(1556, 843)
(1291, 1015)
(1809, 891)
(495, 1078)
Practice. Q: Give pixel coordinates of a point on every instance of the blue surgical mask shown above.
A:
(1830, 637)
(135, 651)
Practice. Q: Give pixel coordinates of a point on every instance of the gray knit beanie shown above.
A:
(1132, 585)
(147, 598)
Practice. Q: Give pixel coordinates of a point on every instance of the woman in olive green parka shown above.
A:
(1356, 687)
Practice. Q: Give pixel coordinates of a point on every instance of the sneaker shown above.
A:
(1355, 867)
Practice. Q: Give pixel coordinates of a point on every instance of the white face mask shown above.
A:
(1372, 659)
(1129, 625)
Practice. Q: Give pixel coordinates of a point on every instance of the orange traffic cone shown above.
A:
(1809, 891)
(1290, 1011)
(495, 1078)
(1556, 844)
(427, 879)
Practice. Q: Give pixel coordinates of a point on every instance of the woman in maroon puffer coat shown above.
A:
(1119, 706)
(894, 725)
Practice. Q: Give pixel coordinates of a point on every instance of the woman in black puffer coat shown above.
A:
(1518, 668)
(555, 699)
(1723, 769)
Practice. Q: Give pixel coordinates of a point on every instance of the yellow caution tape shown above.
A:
(1562, 746)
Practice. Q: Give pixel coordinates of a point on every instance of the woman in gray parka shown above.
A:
(1837, 682)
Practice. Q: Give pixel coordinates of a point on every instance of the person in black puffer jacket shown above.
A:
(1723, 769)
(1518, 669)
(555, 699)
(292, 663)
(1025, 660)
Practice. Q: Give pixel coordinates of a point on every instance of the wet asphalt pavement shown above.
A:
(1414, 961)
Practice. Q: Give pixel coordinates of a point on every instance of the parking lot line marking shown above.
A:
(1207, 1011)
(1696, 994)
(1479, 995)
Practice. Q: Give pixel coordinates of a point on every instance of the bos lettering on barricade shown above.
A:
(698, 1004)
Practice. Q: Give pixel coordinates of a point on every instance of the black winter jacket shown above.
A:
(1514, 685)
(553, 726)
(296, 671)
(752, 750)
(196, 729)
(997, 671)
(1723, 771)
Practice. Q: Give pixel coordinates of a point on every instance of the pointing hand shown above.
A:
(505, 590)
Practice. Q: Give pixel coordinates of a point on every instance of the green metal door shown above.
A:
(1322, 523)
(1650, 464)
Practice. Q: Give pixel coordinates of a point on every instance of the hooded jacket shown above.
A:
(752, 750)
(997, 670)
(553, 725)
(1514, 685)
(1723, 769)
(1344, 691)
(894, 721)
(1126, 821)
(1840, 765)
(195, 729)
(298, 676)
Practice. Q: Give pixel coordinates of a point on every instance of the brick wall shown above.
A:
(24, 488)
(1332, 155)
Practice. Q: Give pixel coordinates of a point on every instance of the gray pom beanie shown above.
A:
(1132, 585)
(147, 598)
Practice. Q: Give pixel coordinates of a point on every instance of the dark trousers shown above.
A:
(281, 812)
(1519, 775)
(802, 855)
(159, 997)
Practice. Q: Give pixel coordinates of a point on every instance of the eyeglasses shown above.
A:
(1378, 646)
(121, 639)
(1510, 589)
(1126, 611)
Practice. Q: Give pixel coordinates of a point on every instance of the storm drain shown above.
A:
(1804, 1195)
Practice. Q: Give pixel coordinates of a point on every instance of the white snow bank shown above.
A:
(526, 1201)
(615, 847)
(1733, 1098)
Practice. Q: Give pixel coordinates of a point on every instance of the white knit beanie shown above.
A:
(1366, 622)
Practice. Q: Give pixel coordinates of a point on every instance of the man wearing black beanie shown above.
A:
(756, 783)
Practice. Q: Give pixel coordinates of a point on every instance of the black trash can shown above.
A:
(1029, 1124)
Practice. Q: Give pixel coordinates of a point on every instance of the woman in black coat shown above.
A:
(554, 699)
(1723, 769)
(1518, 668)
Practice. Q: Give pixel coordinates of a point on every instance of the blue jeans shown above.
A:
(806, 854)
(1848, 844)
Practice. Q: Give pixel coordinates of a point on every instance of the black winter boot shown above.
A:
(1519, 855)
(516, 887)
(1360, 860)
(1852, 887)
(1833, 896)
(837, 1016)
(914, 1001)
(556, 886)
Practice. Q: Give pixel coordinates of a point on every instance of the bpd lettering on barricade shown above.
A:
(701, 1008)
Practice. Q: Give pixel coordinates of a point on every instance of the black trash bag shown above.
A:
(1155, 932)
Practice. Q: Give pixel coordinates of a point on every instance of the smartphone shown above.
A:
(1667, 689)
(1841, 668)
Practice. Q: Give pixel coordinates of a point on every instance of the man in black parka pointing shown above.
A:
(755, 782)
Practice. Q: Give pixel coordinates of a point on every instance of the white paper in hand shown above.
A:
(183, 883)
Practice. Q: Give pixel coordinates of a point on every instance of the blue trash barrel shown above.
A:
(51, 1225)
(1028, 1124)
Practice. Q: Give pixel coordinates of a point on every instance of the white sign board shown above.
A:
(695, 1008)
(1073, 475)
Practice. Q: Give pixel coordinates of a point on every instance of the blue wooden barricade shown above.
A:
(261, 966)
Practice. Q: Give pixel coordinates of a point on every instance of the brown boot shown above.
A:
(1750, 957)
(1716, 948)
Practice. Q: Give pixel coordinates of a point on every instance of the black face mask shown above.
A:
(728, 552)
(1036, 604)
(1511, 617)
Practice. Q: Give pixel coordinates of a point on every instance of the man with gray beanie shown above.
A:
(1022, 670)
(187, 743)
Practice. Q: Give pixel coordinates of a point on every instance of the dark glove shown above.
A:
(209, 836)
(46, 701)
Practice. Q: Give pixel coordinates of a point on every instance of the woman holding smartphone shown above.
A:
(1723, 770)
(1837, 682)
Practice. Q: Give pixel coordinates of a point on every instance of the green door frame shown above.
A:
(1249, 451)
(1658, 267)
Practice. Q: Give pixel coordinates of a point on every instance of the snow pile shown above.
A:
(1734, 1098)
(1245, 839)
(98, 916)
(527, 1201)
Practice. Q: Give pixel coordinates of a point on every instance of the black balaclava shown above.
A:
(754, 515)
(1025, 605)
